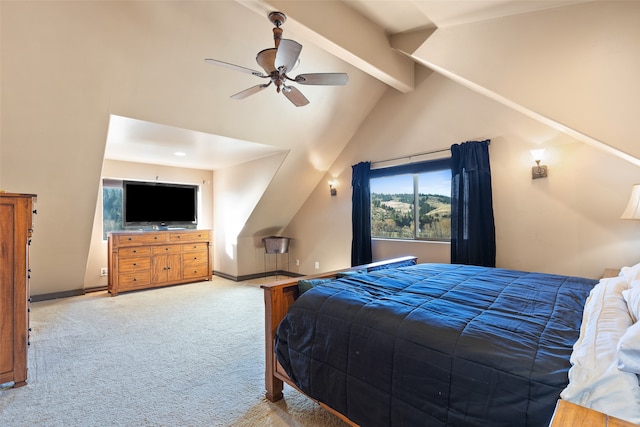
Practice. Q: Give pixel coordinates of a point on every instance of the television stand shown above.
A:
(151, 259)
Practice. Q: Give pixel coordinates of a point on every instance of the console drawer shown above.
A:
(195, 247)
(134, 264)
(134, 280)
(192, 236)
(193, 258)
(134, 251)
(196, 270)
(140, 239)
(166, 249)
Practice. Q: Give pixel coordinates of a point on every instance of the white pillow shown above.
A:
(594, 379)
(632, 297)
(629, 350)
(631, 273)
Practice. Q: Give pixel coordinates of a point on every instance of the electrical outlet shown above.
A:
(297, 262)
(317, 265)
(103, 271)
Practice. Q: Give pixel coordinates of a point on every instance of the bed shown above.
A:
(400, 343)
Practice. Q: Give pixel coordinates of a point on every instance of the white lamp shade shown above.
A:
(633, 208)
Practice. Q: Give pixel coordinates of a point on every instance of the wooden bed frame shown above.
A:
(278, 296)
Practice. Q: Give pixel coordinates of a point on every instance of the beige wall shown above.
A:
(143, 172)
(567, 223)
(237, 191)
(67, 66)
(65, 70)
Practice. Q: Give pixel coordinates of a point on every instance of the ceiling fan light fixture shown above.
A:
(277, 62)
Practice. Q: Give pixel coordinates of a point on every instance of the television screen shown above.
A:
(159, 204)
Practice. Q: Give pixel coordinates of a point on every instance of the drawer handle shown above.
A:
(130, 238)
(155, 237)
(195, 257)
(135, 251)
(134, 264)
(166, 249)
(135, 280)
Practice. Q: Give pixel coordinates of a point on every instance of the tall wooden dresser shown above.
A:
(16, 227)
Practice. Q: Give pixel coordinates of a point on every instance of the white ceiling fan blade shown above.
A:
(234, 67)
(287, 55)
(295, 96)
(327, 79)
(248, 92)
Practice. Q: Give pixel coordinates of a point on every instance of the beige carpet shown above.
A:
(189, 355)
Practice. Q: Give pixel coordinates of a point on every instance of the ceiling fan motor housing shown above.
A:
(277, 18)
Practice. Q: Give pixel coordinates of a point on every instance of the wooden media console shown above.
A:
(150, 259)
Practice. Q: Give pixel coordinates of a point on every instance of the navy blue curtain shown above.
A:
(361, 214)
(473, 234)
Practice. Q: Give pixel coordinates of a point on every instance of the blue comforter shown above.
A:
(436, 345)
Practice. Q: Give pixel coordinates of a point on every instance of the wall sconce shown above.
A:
(332, 189)
(632, 210)
(538, 171)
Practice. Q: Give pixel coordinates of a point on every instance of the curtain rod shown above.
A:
(410, 157)
(415, 155)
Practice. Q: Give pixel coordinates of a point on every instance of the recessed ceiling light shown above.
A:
(180, 153)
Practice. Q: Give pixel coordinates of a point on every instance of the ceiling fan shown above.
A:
(277, 63)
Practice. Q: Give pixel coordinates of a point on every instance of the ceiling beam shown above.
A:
(463, 68)
(343, 32)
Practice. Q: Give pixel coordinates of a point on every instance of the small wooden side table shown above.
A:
(569, 414)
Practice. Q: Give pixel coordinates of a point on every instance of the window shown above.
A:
(111, 206)
(412, 201)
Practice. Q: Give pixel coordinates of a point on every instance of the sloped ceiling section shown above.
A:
(515, 52)
(570, 67)
(566, 64)
(343, 32)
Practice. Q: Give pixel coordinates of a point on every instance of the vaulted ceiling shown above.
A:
(352, 36)
(521, 54)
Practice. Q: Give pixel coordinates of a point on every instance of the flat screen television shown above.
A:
(159, 204)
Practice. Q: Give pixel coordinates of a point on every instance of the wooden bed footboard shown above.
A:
(278, 296)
